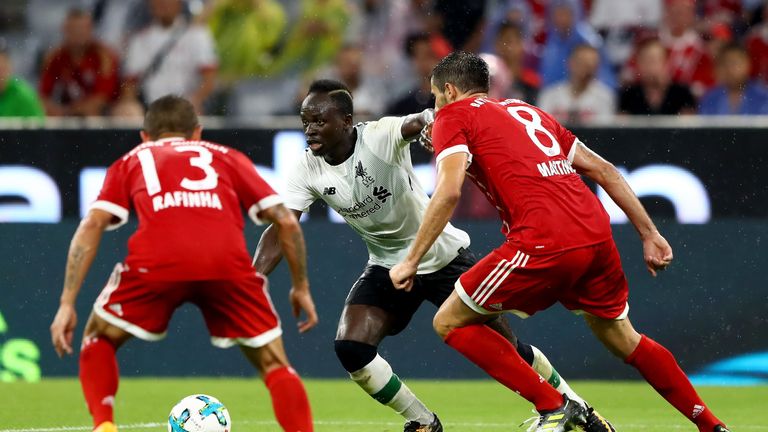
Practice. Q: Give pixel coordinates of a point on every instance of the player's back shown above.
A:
(188, 196)
(521, 158)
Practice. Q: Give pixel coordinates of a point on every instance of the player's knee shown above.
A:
(354, 355)
(97, 328)
(442, 325)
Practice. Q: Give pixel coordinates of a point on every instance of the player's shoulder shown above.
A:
(383, 123)
(306, 164)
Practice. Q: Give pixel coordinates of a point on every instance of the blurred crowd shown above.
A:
(582, 60)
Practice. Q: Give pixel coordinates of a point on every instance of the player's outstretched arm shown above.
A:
(450, 177)
(291, 241)
(657, 252)
(413, 124)
(82, 251)
(268, 253)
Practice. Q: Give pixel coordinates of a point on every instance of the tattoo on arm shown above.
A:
(74, 267)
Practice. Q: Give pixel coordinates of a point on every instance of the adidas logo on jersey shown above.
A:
(329, 191)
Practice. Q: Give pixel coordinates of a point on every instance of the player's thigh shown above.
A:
(601, 288)
(619, 336)
(238, 311)
(374, 309)
(136, 305)
(438, 287)
(267, 358)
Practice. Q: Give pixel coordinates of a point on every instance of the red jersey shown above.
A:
(188, 196)
(520, 156)
(67, 80)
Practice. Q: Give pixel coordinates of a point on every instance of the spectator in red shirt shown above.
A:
(80, 77)
(688, 58)
(757, 45)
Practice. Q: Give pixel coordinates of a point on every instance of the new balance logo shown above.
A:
(381, 193)
(329, 191)
(697, 410)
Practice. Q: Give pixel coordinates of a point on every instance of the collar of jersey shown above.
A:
(169, 139)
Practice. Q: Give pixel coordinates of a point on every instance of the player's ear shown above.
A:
(449, 91)
(144, 136)
(197, 133)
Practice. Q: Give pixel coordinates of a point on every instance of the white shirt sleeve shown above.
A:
(205, 52)
(136, 58)
(298, 194)
(385, 138)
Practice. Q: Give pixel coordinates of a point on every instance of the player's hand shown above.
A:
(63, 329)
(657, 253)
(425, 139)
(301, 300)
(402, 275)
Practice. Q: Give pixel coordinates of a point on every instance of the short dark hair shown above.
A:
(170, 114)
(412, 39)
(337, 91)
(465, 70)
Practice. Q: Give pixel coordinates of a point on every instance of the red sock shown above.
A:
(289, 400)
(496, 356)
(99, 378)
(659, 367)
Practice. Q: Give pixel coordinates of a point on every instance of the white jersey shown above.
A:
(377, 194)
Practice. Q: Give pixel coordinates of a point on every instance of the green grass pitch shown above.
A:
(55, 405)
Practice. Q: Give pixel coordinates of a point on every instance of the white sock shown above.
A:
(543, 367)
(378, 380)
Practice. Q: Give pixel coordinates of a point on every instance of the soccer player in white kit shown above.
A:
(364, 172)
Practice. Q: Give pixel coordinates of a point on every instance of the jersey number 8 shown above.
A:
(202, 160)
(534, 125)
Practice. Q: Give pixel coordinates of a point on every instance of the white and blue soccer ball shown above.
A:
(199, 413)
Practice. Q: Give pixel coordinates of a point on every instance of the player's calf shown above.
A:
(375, 376)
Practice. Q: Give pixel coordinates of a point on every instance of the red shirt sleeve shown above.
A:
(254, 192)
(450, 133)
(115, 197)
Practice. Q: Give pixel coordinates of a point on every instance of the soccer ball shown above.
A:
(199, 413)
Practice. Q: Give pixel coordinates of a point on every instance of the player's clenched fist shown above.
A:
(63, 329)
(657, 253)
(402, 275)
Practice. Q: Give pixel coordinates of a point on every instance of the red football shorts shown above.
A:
(585, 280)
(237, 311)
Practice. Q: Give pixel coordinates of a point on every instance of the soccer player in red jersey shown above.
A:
(559, 246)
(189, 247)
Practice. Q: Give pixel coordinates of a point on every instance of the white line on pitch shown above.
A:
(135, 426)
